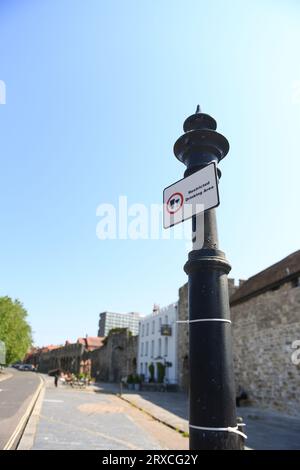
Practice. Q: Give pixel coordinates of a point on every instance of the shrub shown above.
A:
(151, 372)
(137, 379)
(130, 379)
(161, 369)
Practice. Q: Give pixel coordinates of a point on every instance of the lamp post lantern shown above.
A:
(213, 421)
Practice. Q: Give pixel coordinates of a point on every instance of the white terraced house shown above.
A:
(157, 343)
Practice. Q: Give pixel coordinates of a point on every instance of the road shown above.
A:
(79, 419)
(16, 394)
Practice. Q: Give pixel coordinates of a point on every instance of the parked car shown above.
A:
(27, 367)
(17, 365)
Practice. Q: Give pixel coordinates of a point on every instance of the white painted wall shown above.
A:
(150, 334)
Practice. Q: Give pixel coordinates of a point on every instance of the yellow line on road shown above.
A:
(25, 417)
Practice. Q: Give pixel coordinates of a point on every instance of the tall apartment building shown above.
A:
(110, 320)
(157, 342)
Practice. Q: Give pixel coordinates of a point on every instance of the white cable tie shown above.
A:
(203, 320)
(235, 430)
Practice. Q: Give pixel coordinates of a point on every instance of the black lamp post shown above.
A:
(213, 422)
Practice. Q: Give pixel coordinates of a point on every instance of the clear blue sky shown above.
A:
(96, 96)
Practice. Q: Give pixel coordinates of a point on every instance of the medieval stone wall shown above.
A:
(264, 329)
(67, 358)
(116, 359)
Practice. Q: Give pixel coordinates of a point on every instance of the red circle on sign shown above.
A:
(174, 203)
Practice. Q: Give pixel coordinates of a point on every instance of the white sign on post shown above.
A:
(190, 196)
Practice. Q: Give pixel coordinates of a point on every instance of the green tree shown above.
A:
(161, 369)
(14, 329)
(151, 371)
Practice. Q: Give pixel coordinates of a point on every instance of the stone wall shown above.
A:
(264, 329)
(116, 358)
(68, 358)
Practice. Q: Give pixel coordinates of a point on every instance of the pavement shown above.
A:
(82, 419)
(16, 394)
(100, 418)
(168, 408)
(266, 429)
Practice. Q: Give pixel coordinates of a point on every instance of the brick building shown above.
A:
(72, 357)
(37, 355)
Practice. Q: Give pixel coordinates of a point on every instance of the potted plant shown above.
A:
(161, 369)
(137, 382)
(151, 372)
(88, 379)
(130, 382)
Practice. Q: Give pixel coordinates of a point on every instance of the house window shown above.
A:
(166, 346)
(147, 329)
(159, 325)
(153, 326)
(146, 353)
(159, 347)
(142, 370)
(152, 348)
(143, 330)
(142, 349)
